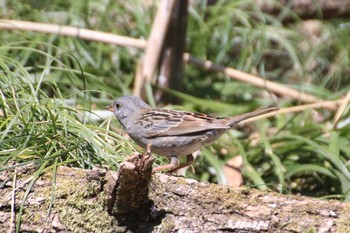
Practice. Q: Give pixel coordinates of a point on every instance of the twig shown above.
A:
(254, 80)
(171, 65)
(156, 39)
(73, 32)
(139, 79)
(126, 41)
(321, 104)
(344, 102)
(155, 44)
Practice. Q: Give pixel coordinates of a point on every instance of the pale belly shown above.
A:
(179, 145)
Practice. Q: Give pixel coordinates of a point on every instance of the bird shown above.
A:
(172, 133)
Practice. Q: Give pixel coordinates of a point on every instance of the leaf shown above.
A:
(216, 164)
(295, 169)
(214, 106)
(248, 170)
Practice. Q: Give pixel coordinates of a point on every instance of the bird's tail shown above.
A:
(237, 119)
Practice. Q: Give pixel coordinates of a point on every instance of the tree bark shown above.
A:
(87, 201)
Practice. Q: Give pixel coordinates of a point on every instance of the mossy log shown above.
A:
(77, 200)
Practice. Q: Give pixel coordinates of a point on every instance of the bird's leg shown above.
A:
(189, 161)
(174, 162)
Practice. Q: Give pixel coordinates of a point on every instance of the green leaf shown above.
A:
(216, 164)
(295, 169)
(214, 106)
(248, 170)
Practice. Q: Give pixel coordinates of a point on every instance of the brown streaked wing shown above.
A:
(162, 122)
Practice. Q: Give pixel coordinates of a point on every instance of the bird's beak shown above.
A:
(110, 108)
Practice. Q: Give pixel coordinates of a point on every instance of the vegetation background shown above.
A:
(51, 88)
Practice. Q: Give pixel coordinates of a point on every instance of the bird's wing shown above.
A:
(162, 122)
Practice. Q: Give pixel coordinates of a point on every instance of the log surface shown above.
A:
(175, 204)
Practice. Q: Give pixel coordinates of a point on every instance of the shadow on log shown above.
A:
(127, 190)
(134, 200)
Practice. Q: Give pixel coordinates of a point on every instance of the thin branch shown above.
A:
(155, 44)
(156, 39)
(126, 41)
(254, 80)
(73, 32)
(300, 108)
(171, 65)
(341, 109)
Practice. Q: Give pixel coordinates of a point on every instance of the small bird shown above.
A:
(172, 133)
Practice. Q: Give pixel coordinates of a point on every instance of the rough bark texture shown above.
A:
(127, 191)
(82, 203)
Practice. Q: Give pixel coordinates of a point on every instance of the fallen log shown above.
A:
(132, 199)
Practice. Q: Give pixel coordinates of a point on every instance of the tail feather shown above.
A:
(237, 119)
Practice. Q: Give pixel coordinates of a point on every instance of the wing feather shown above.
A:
(162, 122)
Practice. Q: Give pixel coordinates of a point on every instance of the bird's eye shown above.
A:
(117, 106)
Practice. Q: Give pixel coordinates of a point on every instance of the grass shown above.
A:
(39, 124)
(49, 83)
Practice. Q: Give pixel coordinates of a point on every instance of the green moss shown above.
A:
(83, 210)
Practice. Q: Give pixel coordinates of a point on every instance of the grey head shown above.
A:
(127, 108)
